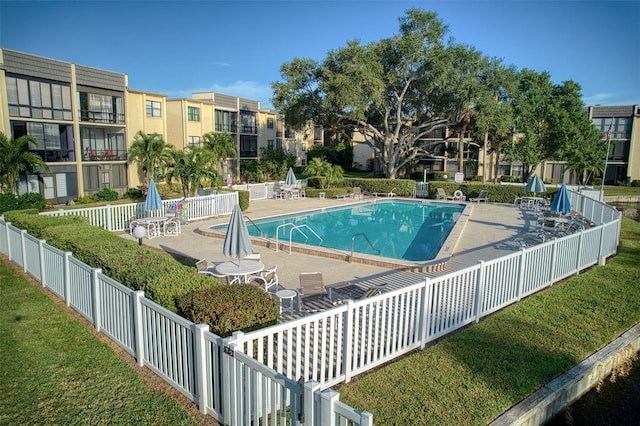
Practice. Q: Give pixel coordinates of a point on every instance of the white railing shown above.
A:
(258, 369)
(225, 383)
(332, 346)
(117, 217)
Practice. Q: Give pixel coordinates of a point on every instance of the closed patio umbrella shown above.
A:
(291, 178)
(153, 201)
(237, 242)
(535, 184)
(561, 202)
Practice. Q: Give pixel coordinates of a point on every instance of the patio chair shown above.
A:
(440, 194)
(483, 196)
(357, 193)
(312, 292)
(267, 278)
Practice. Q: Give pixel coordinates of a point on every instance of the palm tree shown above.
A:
(190, 167)
(150, 151)
(221, 145)
(17, 160)
(325, 171)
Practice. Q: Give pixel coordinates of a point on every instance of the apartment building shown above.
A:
(85, 119)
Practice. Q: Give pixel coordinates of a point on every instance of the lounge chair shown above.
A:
(312, 290)
(357, 193)
(339, 294)
(484, 196)
(440, 194)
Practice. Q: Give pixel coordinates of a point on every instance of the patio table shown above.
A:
(239, 268)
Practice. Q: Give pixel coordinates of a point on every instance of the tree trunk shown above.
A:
(466, 119)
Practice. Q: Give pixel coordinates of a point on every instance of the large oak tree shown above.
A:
(394, 92)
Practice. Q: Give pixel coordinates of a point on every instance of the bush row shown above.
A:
(497, 193)
(30, 200)
(163, 279)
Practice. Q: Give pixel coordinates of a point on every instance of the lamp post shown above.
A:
(139, 232)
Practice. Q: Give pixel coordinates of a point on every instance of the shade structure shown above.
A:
(237, 242)
(535, 184)
(561, 202)
(153, 201)
(291, 178)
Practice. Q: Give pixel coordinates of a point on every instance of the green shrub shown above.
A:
(230, 308)
(400, 187)
(106, 194)
(85, 199)
(635, 183)
(497, 193)
(35, 223)
(30, 200)
(134, 194)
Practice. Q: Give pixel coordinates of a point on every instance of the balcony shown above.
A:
(101, 117)
(106, 155)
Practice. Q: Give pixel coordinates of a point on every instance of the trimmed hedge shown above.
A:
(227, 309)
(163, 279)
(497, 193)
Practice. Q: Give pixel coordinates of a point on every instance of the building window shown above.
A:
(102, 144)
(38, 99)
(270, 145)
(193, 114)
(248, 120)
(55, 141)
(248, 146)
(194, 140)
(269, 123)
(101, 108)
(153, 109)
(317, 133)
(226, 121)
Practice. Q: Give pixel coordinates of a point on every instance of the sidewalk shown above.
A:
(491, 232)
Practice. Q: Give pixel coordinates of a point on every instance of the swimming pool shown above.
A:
(404, 230)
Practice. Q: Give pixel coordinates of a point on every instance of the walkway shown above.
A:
(493, 230)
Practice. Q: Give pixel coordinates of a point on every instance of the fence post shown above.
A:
(67, 279)
(42, 267)
(309, 390)
(601, 258)
(95, 286)
(328, 400)
(479, 290)
(579, 251)
(229, 389)
(6, 225)
(138, 326)
(200, 368)
(109, 223)
(347, 350)
(425, 321)
(24, 250)
(521, 272)
(552, 269)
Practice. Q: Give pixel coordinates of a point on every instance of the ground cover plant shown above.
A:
(474, 375)
(55, 371)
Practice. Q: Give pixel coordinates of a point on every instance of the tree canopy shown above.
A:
(397, 91)
(16, 160)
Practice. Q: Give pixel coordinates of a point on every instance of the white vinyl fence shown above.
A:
(116, 217)
(225, 383)
(331, 347)
(250, 378)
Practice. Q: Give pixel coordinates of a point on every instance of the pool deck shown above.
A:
(492, 230)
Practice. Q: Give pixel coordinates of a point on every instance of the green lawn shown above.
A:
(53, 370)
(474, 375)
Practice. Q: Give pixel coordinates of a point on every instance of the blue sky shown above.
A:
(237, 47)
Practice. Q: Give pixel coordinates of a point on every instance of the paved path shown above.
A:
(491, 231)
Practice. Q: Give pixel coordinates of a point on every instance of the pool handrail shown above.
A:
(353, 237)
(293, 228)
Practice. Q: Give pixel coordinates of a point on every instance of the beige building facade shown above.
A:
(86, 118)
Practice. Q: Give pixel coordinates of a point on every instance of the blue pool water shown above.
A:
(399, 229)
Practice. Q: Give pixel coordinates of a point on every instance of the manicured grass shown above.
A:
(473, 376)
(612, 191)
(53, 370)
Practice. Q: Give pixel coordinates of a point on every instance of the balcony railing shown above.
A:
(105, 155)
(101, 117)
